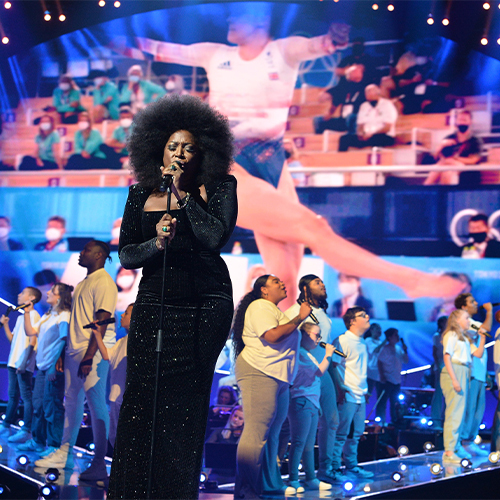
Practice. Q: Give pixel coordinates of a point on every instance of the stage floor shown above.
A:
(414, 470)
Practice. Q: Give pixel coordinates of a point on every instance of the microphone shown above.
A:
(311, 315)
(18, 308)
(108, 321)
(475, 327)
(494, 304)
(7, 312)
(166, 182)
(335, 351)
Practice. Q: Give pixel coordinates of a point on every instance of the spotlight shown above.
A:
(20, 423)
(484, 41)
(62, 18)
(378, 419)
(428, 446)
(478, 439)
(375, 6)
(47, 16)
(436, 469)
(430, 20)
(429, 423)
(390, 7)
(4, 491)
(397, 477)
(401, 397)
(486, 6)
(5, 40)
(367, 489)
(48, 491)
(7, 5)
(23, 460)
(52, 475)
(423, 421)
(494, 457)
(3, 416)
(102, 3)
(348, 485)
(90, 446)
(203, 477)
(1, 448)
(482, 427)
(300, 467)
(403, 467)
(403, 450)
(466, 463)
(117, 4)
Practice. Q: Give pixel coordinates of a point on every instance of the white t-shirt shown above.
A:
(459, 350)
(118, 369)
(392, 358)
(20, 342)
(307, 382)
(52, 331)
(96, 292)
(276, 360)
(371, 345)
(352, 370)
(374, 118)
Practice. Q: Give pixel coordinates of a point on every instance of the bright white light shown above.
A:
(62, 18)
(403, 450)
(348, 486)
(117, 4)
(430, 20)
(375, 6)
(423, 421)
(378, 419)
(484, 41)
(390, 7)
(478, 439)
(102, 3)
(445, 21)
(482, 426)
(401, 397)
(486, 6)
(397, 476)
(7, 5)
(47, 16)
(5, 40)
(436, 469)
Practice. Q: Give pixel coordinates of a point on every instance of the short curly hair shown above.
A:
(154, 125)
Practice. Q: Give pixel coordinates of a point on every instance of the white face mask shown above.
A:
(115, 233)
(4, 232)
(170, 85)
(98, 82)
(45, 126)
(126, 122)
(134, 78)
(83, 125)
(64, 86)
(53, 234)
(125, 282)
(348, 288)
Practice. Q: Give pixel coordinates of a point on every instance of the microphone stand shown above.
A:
(159, 345)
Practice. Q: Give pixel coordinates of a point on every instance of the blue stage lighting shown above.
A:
(423, 421)
(203, 477)
(48, 491)
(466, 463)
(429, 423)
(90, 446)
(482, 426)
(378, 419)
(494, 457)
(348, 485)
(52, 475)
(23, 460)
(436, 469)
(5, 491)
(397, 477)
(401, 397)
(403, 467)
(428, 446)
(403, 450)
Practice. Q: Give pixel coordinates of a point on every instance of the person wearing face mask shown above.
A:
(352, 295)
(66, 99)
(88, 141)
(458, 149)
(116, 147)
(375, 124)
(7, 243)
(46, 155)
(481, 244)
(105, 97)
(175, 85)
(56, 242)
(139, 92)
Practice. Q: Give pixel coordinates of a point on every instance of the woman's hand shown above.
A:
(457, 386)
(165, 230)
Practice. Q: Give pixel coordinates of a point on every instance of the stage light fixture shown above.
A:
(62, 18)
(378, 419)
(1, 448)
(498, 41)
(429, 423)
(484, 41)
(428, 446)
(90, 446)
(7, 5)
(494, 457)
(47, 16)
(390, 7)
(436, 469)
(375, 6)
(3, 416)
(102, 3)
(423, 421)
(203, 477)
(300, 467)
(402, 467)
(401, 397)
(403, 450)
(23, 460)
(397, 477)
(486, 6)
(348, 485)
(5, 40)
(478, 439)
(20, 423)
(430, 20)
(466, 463)
(117, 4)
(52, 475)
(48, 491)
(445, 21)
(367, 488)
(482, 426)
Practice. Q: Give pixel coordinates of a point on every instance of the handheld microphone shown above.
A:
(166, 182)
(108, 321)
(6, 314)
(494, 304)
(18, 308)
(335, 351)
(311, 315)
(475, 327)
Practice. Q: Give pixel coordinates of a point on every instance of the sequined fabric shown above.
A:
(197, 318)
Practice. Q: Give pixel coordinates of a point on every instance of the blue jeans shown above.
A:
(474, 410)
(328, 423)
(20, 385)
(303, 417)
(349, 413)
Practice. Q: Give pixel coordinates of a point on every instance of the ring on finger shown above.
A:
(165, 229)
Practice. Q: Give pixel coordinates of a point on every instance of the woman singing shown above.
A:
(183, 137)
(266, 345)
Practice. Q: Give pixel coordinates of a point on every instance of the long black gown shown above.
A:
(198, 313)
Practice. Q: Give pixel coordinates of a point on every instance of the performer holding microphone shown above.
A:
(182, 137)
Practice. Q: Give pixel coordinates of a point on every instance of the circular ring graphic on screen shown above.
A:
(466, 212)
(491, 222)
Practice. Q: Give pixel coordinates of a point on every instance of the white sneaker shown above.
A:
(59, 459)
(293, 488)
(316, 484)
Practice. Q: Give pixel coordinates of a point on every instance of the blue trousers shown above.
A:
(474, 410)
(328, 423)
(20, 385)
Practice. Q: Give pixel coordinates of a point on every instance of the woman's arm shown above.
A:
(281, 332)
(214, 226)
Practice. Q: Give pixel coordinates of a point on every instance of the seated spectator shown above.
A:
(66, 99)
(345, 99)
(352, 295)
(106, 97)
(7, 243)
(139, 92)
(88, 154)
(231, 433)
(358, 56)
(46, 156)
(116, 148)
(175, 85)
(481, 242)
(458, 149)
(390, 361)
(376, 122)
(56, 242)
(115, 235)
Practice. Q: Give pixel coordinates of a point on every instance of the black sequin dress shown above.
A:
(198, 313)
